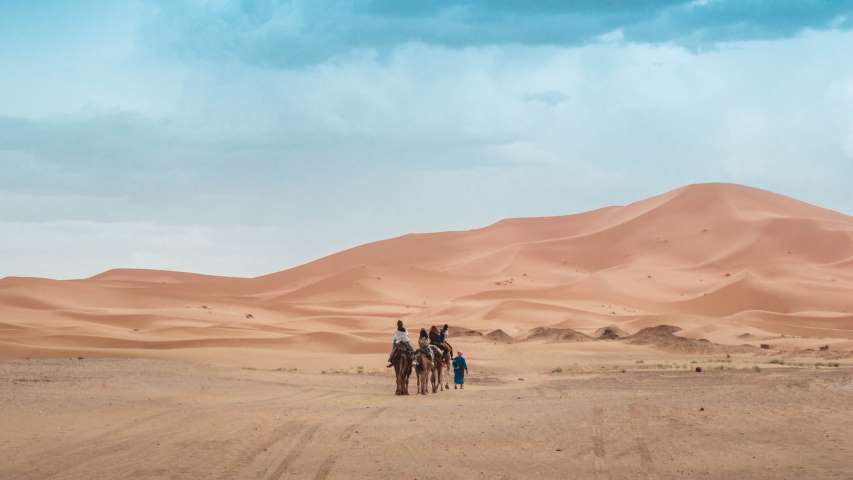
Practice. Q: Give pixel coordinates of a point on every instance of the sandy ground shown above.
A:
(282, 376)
(635, 414)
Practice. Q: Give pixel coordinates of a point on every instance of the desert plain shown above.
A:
(703, 333)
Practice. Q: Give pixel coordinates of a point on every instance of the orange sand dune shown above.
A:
(717, 260)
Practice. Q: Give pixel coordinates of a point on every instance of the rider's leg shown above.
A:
(393, 355)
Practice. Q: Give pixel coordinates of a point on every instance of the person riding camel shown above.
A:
(445, 332)
(435, 338)
(400, 343)
(423, 342)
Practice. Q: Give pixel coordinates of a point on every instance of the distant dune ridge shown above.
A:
(716, 260)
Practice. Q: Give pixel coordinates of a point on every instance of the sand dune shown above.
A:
(717, 260)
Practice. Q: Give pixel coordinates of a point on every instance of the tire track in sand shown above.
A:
(250, 456)
(111, 440)
(639, 423)
(301, 444)
(346, 434)
(600, 467)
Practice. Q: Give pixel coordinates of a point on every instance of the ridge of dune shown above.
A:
(707, 254)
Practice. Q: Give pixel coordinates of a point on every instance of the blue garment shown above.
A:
(459, 367)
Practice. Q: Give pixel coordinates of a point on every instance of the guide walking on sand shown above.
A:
(460, 369)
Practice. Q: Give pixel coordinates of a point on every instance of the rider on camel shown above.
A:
(400, 343)
(437, 339)
(423, 342)
(444, 334)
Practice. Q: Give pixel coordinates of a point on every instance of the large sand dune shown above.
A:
(717, 260)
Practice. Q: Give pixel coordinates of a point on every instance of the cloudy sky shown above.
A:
(244, 137)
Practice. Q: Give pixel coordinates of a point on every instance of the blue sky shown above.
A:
(243, 137)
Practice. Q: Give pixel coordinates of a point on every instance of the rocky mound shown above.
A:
(556, 335)
(499, 336)
(610, 332)
(663, 337)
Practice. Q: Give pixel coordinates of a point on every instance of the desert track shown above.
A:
(142, 419)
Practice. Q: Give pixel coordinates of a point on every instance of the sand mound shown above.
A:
(499, 336)
(549, 334)
(610, 332)
(663, 337)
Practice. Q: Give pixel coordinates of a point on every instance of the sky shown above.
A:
(245, 137)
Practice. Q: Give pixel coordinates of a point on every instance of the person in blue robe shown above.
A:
(460, 369)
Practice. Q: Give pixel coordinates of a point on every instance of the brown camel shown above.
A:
(442, 365)
(425, 371)
(448, 364)
(402, 370)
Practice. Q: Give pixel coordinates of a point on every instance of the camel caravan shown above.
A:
(432, 361)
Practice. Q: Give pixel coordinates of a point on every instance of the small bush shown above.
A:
(557, 370)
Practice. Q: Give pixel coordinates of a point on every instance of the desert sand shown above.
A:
(154, 419)
(583, 333)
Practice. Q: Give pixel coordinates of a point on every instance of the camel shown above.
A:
(448, 363)
(442, 365)
(425, 372)
(402, 370)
